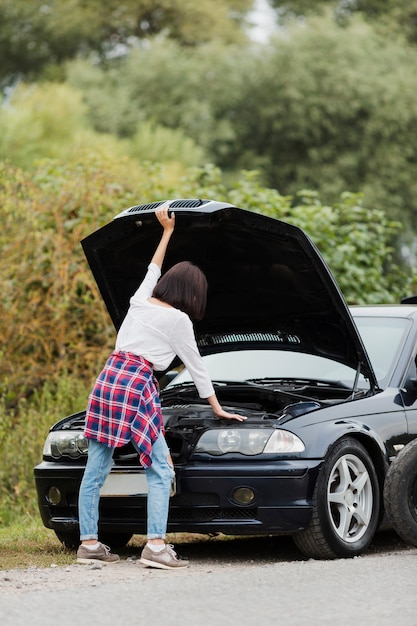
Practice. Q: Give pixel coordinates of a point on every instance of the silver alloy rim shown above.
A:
(350, 498)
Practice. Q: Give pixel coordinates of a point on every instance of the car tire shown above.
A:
(71, 539)
(346, 505)
(400, 493)
(115, 540)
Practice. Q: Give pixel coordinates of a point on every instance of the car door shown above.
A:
(408, 392)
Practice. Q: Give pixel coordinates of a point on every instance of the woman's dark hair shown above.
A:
(184, 286)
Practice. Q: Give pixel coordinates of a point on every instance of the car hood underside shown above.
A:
(268, 284)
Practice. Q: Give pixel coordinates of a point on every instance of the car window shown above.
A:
(384, 339)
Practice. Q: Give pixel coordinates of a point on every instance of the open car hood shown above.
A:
(268, 284)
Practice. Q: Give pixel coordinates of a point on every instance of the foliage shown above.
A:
(320, 108)
(30, 129)
(160, 144)
(339, 115)
(24, 542)
(50, 311)
(23, 430)
(357, 243)
(37, 37)
(389, 16)
(167, 85)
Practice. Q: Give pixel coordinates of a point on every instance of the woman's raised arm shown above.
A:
(168, 224)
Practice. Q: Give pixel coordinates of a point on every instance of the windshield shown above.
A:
(383, 339)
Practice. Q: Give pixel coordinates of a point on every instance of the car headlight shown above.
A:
(249, 441)
(65, 443)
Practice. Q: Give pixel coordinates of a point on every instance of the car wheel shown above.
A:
(400, 493)
(346, 503)
(114, 540)
(70, 540)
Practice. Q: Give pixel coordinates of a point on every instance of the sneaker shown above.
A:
(102, 555)
(164, 559)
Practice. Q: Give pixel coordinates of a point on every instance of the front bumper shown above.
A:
(204, 503)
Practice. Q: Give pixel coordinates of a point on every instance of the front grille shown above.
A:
(186, 507)
(210, 515)
(236, 514)
(110, 514)
(195, 499)
(204, 507)
(183, 514)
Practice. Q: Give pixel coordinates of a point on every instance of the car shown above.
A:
(329, 392)
(400, 493)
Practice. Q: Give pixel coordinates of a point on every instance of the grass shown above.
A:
(27, 543)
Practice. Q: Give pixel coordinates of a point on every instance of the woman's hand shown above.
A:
(220, 412)
(230, 416)
(167, 222)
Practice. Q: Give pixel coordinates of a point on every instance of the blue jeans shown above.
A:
(159, 476)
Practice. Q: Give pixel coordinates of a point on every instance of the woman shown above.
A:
(124, 403)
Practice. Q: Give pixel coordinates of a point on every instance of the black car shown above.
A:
(328, 408)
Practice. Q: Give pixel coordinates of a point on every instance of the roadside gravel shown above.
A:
(243, 582)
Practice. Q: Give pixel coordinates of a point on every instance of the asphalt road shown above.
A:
(243, 581)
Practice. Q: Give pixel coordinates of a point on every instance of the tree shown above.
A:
(390, 16)
(321, 107)
(37, 36)
(338, 115)
(30, 129)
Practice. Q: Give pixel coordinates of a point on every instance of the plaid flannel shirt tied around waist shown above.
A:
(124, 405)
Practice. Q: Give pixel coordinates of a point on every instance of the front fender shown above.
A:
(319, 441)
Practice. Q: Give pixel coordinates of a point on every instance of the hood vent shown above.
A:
(247, 338)
(193, 203)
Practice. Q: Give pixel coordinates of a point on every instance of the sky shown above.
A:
(264, 20)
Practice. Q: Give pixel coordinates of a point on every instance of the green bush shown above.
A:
(31, 130)
(51, 314)
(356, 241)
(23, 430)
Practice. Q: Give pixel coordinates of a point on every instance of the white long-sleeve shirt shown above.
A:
(159, 333)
